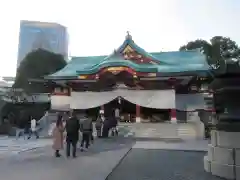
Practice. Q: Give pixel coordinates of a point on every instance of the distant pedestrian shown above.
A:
(99, 124)
(58, 136)
(72, 128)
(115, 122)
(106, 127)
(33, 129)
(86, 127)
(91, 133)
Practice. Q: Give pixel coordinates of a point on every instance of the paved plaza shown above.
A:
(40, 164)
(153, 152)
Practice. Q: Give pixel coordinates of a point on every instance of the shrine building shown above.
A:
(151, 86)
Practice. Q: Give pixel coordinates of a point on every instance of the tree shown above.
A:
(218, 50)
(36, 65)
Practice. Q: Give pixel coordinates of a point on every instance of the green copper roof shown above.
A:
(118, 61)
(166, 62)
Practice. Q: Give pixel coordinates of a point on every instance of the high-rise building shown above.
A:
(49, 36)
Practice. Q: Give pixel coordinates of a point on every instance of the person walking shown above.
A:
(99, 124)
(72, 129)
(58, 136)
(106, 127)
(33, 128)
(91, 133)
(86, 128)
(115, 122)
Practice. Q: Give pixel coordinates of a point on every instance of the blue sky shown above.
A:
(96, 27)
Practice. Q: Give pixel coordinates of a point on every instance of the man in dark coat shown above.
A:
(72, 129)
(106, 127)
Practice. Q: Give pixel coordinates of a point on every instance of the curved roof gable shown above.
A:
(164, 62)
(129, 42)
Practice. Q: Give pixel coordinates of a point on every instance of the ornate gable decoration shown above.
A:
(129, 53)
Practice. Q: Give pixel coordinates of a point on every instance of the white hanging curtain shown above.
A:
(61, 103)
(190, 102)
(87, 100)
(158, 99)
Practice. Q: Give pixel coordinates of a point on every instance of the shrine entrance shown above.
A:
(138, 104)
(128, 112)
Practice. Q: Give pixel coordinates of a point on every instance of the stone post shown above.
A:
(223, 158)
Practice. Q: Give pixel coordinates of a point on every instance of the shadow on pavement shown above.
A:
(104, 145)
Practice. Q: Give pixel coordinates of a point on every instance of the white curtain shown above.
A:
(190, 102)
(86, 100)
(158, 99)
(61, 103)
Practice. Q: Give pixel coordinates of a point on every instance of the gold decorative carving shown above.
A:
(82, 77)
(128, 49)
(112, 69)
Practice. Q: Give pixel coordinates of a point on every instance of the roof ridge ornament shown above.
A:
(128, 36)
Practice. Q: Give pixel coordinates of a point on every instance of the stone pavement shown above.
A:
(40, 164)
(104, 155)
(142, 164)
(165, 159)
(183, 145)
(157, 130)
(11, 146)
(141, 130)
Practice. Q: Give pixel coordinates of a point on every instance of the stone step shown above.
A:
(186, 131)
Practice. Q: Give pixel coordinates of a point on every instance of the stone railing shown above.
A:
(19, 96)
(34, 98)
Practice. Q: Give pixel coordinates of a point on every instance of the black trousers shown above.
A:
(72, 144)
(105, 131)
(31, 133)
(99, 132)
(92, 138)
(85, 139)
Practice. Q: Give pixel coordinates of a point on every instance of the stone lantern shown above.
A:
(223, 158)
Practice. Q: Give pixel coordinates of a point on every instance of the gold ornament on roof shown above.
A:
(128, 36)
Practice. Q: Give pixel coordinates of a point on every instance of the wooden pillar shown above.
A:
(138, 113)
(173, 116)
(69, 91)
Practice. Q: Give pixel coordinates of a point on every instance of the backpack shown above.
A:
(86, 124)
(99, 123)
